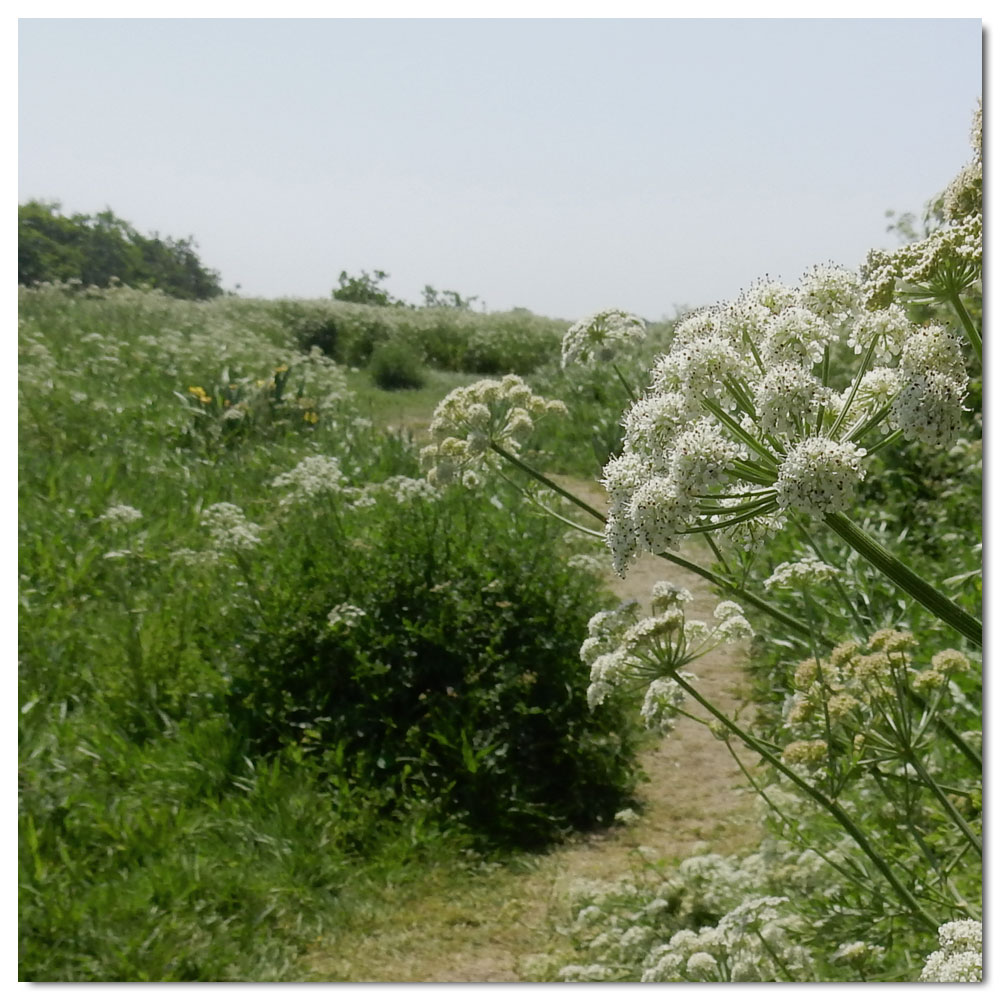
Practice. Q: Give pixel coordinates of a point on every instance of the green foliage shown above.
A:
(433, 299)
(448, 670)
(365, 289)
(159, 841)
(100, 249)
(394, 365)
(456, 340)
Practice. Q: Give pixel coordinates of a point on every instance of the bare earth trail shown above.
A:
(695, 796)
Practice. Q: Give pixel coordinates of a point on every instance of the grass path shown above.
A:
(486, 926)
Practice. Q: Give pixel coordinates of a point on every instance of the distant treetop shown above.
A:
(96, 248)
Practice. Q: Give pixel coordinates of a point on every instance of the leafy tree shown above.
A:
(366, 290)
(95, 249)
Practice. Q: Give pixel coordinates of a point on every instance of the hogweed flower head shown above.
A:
(746, 420)
(601, 336)
(472, 418)
(622, 648)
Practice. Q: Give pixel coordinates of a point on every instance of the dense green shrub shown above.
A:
(395, 365)
(433, 643)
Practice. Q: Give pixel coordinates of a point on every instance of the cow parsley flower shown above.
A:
(830, 291)
(471, 419)
(807, 570)
(601, 336)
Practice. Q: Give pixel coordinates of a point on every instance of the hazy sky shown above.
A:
(561, 165)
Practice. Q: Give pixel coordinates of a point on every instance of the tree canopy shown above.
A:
(96, 248)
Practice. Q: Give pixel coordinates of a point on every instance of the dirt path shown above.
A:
(487, 932)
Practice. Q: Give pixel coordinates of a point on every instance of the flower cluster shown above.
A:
(601, 337)
(314, 477)
(229, 529)
(800, 573)
(960, 957)
(947, 261)
(746, 421)
(623, 649)
(655, 929)
(840, 703)
(120, 515)
(473, 418)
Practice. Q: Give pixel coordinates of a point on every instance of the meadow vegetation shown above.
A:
(284, 642)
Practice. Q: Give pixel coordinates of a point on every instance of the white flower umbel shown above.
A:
(819, 476)
(751, 416)
(960, 958)
(473, 418)
(623, 650)
(229, 528)
(313, 477)
(120, 515)
(601, 336)
(803, 571)
(929, 408)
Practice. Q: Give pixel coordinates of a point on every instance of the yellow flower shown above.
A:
(199, 394)
(310, 416)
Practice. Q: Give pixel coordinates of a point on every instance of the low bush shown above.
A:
(431, 641)
(395, 365)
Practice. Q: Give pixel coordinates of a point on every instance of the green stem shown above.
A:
(727, 586)
(841, 590)
(885, 442)
(628, 388)
(970, 328)
(833, 808)
(942, 723)
(738, 432)
(854, 389)
(900, 574)
(946, 803)
(545, 481)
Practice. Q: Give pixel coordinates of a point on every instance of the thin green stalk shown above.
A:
(946, 728)
(748, 439)
(905, 578)
(835, 810)
(793, 825)
(956, 817)
(545, 481)
(728, 586)
(628, 388)
(885, 442)
(854, 389)
(970, 328)
(858, 431)
(718, 554)
(844, 596)
(759, 510)
(548, 510)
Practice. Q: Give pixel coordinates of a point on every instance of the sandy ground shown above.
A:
(695, 795)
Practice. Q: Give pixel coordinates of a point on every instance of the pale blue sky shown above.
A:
(561, 165)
